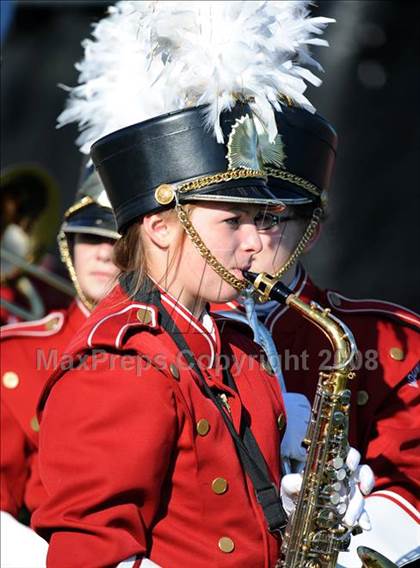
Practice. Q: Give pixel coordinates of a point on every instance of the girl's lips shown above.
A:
(238, 272)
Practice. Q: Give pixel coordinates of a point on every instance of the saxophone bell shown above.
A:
(372, 559)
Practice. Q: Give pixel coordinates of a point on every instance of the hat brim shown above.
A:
(290, 194)
(247, 193)
(84, 229)
(92, 219)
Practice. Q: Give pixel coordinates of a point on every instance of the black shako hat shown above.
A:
(148, 166)
(91, 212)
(310, 145)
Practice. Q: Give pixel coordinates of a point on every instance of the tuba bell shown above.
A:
(28, 225)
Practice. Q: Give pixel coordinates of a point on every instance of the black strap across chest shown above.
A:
(247, 448)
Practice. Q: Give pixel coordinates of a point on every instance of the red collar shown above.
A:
(204, 341)
(117, 314)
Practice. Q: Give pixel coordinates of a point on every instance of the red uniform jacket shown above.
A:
(384, 419)
(137, 461)
(29, 353)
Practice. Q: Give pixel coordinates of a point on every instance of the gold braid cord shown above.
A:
(292, 178)
(68, 262)
(165, 193)
(211, 260)
(300, 247)
(86, 200)
(63, 246)
(229, 175)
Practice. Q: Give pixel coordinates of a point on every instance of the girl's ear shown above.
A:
(159, 229)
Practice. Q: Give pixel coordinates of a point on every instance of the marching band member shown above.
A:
(159, 446)
(384, 421)
(29, 353)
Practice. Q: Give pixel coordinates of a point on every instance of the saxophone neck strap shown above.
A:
(247, 448)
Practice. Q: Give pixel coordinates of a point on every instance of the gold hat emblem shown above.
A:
(249, 146)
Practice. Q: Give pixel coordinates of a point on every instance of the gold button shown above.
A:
(35, 424)
(267, 367)
(226, 544)
(203, 427)
(174, 371)
(219, 485)
(144, 316)
(51, 324)
(164, 194)
(397, 354)
(362, 397)
(10, 380)
(281, 421)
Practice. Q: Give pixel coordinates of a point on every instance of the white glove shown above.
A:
(298, 412)
(352, 500)
(21, 547)
(289, 491)
(361, 483)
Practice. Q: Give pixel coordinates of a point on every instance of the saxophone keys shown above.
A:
(335, 498)
(345, 397)
(338, 418)
(341, 474)
(337, 462)
(326, 519)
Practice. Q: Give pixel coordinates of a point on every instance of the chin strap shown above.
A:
(300, 247)
(210, 259)
(64, 249)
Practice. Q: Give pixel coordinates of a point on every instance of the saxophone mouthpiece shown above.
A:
(268, 287)
(251, 276)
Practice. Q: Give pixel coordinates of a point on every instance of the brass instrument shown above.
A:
(29, 200)
(315, 534)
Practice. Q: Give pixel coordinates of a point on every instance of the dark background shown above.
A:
(371, 94)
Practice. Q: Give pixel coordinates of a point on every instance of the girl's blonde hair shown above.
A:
(130, 253)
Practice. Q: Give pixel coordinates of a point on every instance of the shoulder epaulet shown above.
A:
(110, 330)
(45, 327)
(387, 309)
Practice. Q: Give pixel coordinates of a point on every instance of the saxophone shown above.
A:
(315, 534)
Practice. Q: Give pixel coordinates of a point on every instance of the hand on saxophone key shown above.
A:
(351, 502)
(360, 484)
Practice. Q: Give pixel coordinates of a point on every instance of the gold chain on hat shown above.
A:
(165, 193)
(292, 178)
(211, 260)
(300, 247)
(66, 258)
(68, 262)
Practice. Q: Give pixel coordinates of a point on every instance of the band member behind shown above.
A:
(29, 206)
(29, 353)
(384, 420)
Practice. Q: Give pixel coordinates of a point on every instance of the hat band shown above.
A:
(221, 177)
(165, 193)
(288, 176)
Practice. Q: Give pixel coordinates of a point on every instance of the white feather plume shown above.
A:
(153, 57)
